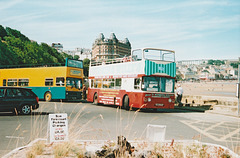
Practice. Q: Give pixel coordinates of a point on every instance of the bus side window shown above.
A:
(118, 82)
(2, 92)
(137, 83)
(23, 82)
(48, 82)
(4, 82)
(111, 83)
(99, 83)
(60, 81)
(95, 84)
(91, 81)
(105, 83)
(12, 82)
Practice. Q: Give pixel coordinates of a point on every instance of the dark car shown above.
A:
(18, 100)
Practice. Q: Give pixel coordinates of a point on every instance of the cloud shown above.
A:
(6, 4)
(189, 4)
(23, 18)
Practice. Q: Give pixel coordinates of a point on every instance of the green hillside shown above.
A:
(17, 49)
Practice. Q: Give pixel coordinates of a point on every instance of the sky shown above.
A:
(194, 29)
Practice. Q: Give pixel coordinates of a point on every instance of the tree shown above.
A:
(235, 65)
(16, 33)
(86, 63)
(65, 55)
(76, 57)
(3, 32)
(216, 62)
(17, 49)
(205, 71)
(7, 56)
(179, 77)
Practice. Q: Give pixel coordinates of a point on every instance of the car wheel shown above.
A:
(95, 99)
(48, 96)
(26, 110)
(126, 103)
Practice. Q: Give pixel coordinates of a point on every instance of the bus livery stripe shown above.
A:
(152, 68)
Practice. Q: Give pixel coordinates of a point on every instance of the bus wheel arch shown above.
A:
(126, 102)
(48, 96)
(95, 98)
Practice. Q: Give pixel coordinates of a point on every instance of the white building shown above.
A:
(83, 53)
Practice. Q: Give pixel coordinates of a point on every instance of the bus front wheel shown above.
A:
(48, 96)
(95, 99)
(126, 103)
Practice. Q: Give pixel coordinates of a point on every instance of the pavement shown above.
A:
(208, 109)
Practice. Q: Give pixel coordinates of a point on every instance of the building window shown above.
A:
(23, 82)
(12, 82)
(48, 82)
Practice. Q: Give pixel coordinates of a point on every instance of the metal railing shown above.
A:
(110, 61)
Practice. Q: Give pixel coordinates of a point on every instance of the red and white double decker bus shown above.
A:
(146, 79)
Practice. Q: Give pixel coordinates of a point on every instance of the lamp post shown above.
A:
(238, 89)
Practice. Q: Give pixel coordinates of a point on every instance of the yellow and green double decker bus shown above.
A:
(48, 82)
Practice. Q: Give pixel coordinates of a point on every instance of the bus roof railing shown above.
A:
(110, 61)
(131, 57)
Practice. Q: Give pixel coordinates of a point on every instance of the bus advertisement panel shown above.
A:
(145, 80)
(57, 82)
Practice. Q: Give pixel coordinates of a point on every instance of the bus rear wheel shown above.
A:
(126, 103)
(48, 96)
(95, 99)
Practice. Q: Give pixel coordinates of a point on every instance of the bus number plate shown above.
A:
(159, 104)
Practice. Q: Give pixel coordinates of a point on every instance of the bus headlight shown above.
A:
(149, 99)
(169, 100)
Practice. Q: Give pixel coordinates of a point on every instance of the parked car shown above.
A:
(18, 100)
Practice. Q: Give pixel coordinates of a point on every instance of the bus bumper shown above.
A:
(73, 95)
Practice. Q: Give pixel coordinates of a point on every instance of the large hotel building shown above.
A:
(110, 48)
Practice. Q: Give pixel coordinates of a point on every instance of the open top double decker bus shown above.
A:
(146, 79)
(47, 81)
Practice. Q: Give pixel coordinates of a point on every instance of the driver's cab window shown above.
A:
(137, 55)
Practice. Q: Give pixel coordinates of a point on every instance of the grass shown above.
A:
(142, 149)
